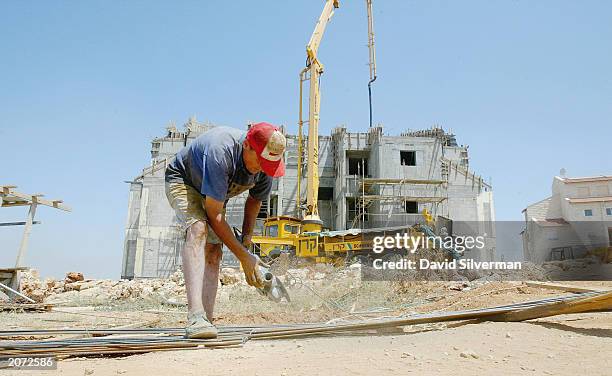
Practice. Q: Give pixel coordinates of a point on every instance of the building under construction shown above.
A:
(367, 180)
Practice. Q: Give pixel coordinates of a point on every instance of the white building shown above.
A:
(574, 220)
(367, 180)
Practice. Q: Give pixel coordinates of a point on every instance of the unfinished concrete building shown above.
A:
(367, 180)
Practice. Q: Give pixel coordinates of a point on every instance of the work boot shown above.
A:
(199, 327)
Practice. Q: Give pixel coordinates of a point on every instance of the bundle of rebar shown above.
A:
(132, 341)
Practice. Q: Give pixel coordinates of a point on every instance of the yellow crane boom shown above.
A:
(312, 73)
(302, 235)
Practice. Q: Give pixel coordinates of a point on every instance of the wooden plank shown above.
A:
(12, 270)
(6, 204)
(374, 181)
(52, 203)
(403, 198)
(2, 224)
(26, 307)
(25, 238)
(561, 287)
(599, 302)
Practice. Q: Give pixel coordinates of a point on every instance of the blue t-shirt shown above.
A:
(212, 164)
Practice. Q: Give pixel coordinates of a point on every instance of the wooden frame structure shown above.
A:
(9, 198)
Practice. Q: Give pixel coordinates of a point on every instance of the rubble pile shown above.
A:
(321, 275)
(74, 277)
(528, 272)
(75, 288)
(38, 290)
(590, 267)
(571, 264)
(3, 297)
(230, 276)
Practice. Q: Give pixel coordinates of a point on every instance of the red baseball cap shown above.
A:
(269, 144)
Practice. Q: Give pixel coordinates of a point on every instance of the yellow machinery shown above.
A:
(280, 235)
(305, 237)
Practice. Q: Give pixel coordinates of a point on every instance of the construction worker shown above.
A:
(221, 163)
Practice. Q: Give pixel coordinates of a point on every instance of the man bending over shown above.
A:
(221, 163)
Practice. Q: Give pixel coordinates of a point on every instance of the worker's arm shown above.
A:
(214, 213)
(251, 209)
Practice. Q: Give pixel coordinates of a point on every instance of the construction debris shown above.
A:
(75, 288)
(230, 276)
(7, 288)
(26, 307)
(74, 277)
(102, 291)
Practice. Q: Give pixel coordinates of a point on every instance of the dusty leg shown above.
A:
(213, 256)
(193, 265)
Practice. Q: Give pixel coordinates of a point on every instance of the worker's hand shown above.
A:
(253, 275)
(246, 241)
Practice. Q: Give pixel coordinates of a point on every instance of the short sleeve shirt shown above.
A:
(213, 165)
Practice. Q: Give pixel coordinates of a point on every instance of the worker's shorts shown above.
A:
(188, 204)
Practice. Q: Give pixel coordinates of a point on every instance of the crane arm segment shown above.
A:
(312, 222)
(315, 40)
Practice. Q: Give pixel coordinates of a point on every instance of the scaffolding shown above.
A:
(450, 167)
(374, 190)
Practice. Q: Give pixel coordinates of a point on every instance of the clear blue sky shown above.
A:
(85, 86)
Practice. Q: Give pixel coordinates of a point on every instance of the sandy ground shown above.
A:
(559, 345)
(546, 347)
